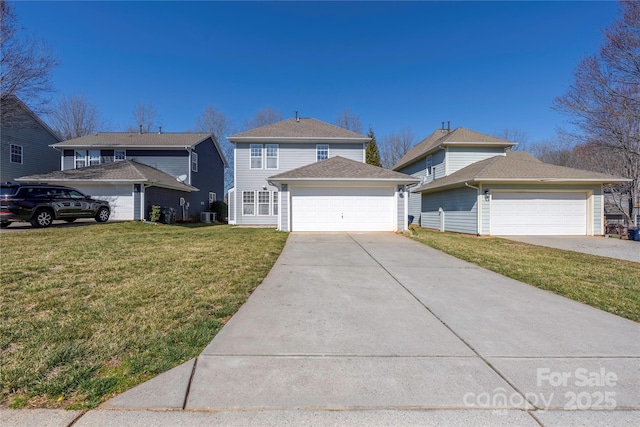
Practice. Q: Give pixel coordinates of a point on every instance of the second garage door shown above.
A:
(539, 214)
(342, 209)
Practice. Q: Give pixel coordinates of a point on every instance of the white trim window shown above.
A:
(271, 152)
(212, 197)
(429, 166)
(16, 155)
(322, 152)
(80, 159)
(119, 155)
(263, 203)
(194, 161)
(275, 203)
(256, 156)
(248, 203)
(94, 157)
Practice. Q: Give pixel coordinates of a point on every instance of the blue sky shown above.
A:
(486, 66)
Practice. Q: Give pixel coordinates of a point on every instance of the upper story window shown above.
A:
(16, 153)
(429, 166)
(119, 155)
(256, 156)
(86, 158)
(194, 161)
(272, 156)
(322, 152)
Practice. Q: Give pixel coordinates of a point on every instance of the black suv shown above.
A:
(40, 204)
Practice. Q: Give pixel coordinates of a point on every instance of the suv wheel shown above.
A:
(103, 215)
(43, 218)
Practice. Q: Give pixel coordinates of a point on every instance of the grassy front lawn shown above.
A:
(86, 312)
(608, 284)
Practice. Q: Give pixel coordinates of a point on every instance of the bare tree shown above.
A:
(74, 116)
(264, 117)
(217, 123)
(395, 146)
(604, 98)
(518, 136)
(25, 67)
(144, 118)
(349, 121)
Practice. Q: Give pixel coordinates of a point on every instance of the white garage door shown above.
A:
(342, 209)
(120, 198)
(539, 214)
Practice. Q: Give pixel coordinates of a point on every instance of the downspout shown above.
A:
(479, 207)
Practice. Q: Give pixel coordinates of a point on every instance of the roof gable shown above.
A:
(442, 137)
(12, 102)
(342, 168)
(299, 129)
(134, 139)
(516, 166)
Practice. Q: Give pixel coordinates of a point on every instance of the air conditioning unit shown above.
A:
(207, 216)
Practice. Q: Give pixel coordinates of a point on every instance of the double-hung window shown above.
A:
(256, 156)
(16, 153)
(322, 152)
(248, 203)
(429, 166)
(194, 161)
(263, 203)
(275, 203)
(272, 156)
(80, 159)
(119, 155)
(94, 157)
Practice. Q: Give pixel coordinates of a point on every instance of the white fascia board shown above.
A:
(279, 139)
(377, 180)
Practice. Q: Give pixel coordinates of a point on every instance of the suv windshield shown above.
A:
(8, 191)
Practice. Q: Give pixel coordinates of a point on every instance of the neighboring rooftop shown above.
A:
(444, 137)
(516, 166)
(342, 168)
(300, 129)
(135, 139)
(121, 171)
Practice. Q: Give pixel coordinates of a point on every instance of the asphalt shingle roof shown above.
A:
(126, 170)
(302, 128)
(516, 166)
(342, 168)
(459, 136)
(134, 139)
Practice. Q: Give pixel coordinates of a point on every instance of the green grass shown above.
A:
(87, 312)
(608, 284)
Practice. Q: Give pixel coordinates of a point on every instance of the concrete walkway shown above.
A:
(379, 330)
(601, 246)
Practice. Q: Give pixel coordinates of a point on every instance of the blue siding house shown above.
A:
(133, 171)
(25, 142)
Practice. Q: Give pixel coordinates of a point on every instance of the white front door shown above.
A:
(539, 213)
(342, 209)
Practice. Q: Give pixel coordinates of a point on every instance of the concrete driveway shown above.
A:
(377, 329)
(601, 246)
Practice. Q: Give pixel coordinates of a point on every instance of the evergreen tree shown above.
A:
(372, 153)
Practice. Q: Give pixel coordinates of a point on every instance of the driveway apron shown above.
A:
(377, 322)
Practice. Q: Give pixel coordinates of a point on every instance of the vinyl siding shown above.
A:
(231, 205)
(461, 157)
(400, 198)
(460, 210)
(173, 162)
(209, 178)
(37, 156)
(415, 206)
(290, 156)
(418, 169)
(284, 210)
(168, 198)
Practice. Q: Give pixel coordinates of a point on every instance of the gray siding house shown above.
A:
(303, 174)
(25, 142)
(473, 183)
(133, 171)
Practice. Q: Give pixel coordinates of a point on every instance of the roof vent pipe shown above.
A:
(448, 126)
(297, 119)
(140, 131)
(442, 128)
(159, 129)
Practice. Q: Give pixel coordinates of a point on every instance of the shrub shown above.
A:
(220, 208)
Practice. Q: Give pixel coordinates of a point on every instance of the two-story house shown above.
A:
(474, 183)
(135, 170)
(25, 142)
(303, 174)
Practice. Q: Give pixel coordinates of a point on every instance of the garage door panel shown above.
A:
(120, 198)
(539, 214)
(342, 209)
